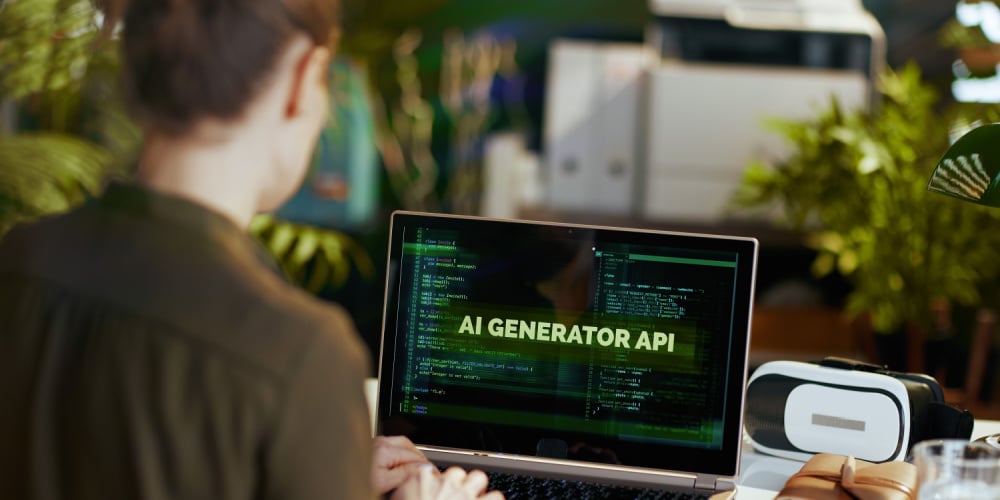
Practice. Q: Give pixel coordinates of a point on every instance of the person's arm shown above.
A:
(321, 445)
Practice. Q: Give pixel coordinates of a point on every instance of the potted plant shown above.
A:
(57, 145)
(855, 184)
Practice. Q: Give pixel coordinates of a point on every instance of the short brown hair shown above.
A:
(186, 60)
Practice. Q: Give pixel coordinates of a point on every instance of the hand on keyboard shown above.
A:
(395, 460)
(452, 484)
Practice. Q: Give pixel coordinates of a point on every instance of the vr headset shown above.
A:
(795, 410)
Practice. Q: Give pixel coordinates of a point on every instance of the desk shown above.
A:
(761, 476)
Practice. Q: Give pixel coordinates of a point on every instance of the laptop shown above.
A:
(568, 351)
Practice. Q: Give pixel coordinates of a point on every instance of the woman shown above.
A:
(148, 348)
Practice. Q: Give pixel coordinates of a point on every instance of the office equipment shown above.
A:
(665, 129)
(708, 122)
(796, 410)
(761, 476)
(567, 351)
(510, 175)
(727, 66)
(592, 136)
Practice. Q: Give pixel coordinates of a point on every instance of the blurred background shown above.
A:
(812, 125)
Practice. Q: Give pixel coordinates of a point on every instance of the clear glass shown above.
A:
(956, 469)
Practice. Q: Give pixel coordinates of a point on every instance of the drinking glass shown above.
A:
(956, 469)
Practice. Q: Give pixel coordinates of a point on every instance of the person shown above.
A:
(148, 346)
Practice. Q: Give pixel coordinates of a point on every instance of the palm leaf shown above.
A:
(311, 257)
(42, 173)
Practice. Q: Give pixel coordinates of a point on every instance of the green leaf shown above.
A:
(312, 257)
(44, 45)
(856, 182)
(318, 277)
(823, 264)
(304, 250)
(847, 263)
(281, 239)
(43, 173)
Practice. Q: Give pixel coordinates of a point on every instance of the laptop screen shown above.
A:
(585, 343)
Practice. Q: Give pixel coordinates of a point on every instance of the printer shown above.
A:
(663, 130)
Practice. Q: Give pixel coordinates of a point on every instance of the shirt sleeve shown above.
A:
(321, 446)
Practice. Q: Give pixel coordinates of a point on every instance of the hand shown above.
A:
(454, 484)
(396, 459)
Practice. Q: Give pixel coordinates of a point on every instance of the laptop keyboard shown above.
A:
(515, 486)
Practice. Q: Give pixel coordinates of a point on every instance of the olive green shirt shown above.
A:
(150, 350)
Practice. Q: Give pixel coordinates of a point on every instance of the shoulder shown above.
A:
(25, 237)
(210, 291)
(263, 320)
(323, 330)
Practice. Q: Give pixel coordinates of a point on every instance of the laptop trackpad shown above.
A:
(551, 448)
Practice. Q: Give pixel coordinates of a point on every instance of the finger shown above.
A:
(454, 475)
(388, 455)
(385, 480)
(394, 442)
(399, 442)
(476, 482)
(431, 482)
(422, 485)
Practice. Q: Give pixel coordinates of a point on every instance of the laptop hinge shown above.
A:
(706, 482)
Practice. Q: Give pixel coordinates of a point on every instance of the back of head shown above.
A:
(188, 60)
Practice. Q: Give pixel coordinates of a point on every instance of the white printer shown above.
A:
(665, 129)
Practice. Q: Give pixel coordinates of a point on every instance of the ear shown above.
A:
(310, 76)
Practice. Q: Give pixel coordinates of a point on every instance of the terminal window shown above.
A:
(565, 332)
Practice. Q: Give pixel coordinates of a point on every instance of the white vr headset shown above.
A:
(795, 410)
